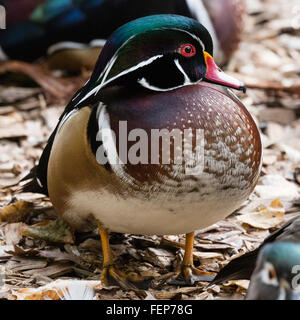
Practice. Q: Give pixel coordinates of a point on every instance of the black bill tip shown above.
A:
(243, 88)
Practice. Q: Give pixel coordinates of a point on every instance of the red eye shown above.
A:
(187, 50)
(272, 274)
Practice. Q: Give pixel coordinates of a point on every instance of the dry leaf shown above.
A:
(24, 264)
(18, 251)
(13, 94)
(159, 257)
(207, 255)
(242, 285)
(266, 218)
(4, 251)
(16, 212)
(56, 231)
(53, 271)
(276, 186)
(171, 294)
(57, 254)
(12, 233)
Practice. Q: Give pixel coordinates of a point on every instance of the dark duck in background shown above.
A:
(35, 25)
(274, 267)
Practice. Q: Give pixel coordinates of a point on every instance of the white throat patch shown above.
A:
(143, 81)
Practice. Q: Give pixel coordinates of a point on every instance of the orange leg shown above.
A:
(110, 272)
(187, 269)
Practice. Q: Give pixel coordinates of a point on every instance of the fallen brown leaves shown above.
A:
(16, 212)
(51, 231)
(266, 217)
(56, 89)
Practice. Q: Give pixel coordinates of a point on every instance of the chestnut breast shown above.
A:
(231, 143)
(157, 198)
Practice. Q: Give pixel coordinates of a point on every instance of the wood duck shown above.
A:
(35, 25)
(270, 266)
(155, 75)
(277, 272)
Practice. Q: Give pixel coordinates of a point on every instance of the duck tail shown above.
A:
(239, 268)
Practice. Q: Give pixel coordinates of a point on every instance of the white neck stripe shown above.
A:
(187, 80)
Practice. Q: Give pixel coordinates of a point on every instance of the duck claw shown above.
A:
(188, 275)
(113, 276)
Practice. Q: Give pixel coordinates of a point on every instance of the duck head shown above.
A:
(160, 53)
(277, 273)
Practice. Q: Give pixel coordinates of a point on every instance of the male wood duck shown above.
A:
(272, 267)
(277, 273)
(154, 75)
(35, 25)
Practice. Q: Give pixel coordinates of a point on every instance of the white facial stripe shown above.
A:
(264, 275)
(103, 83)
(192, 35)
(96, 89)
(138, 66)
(77, 95)
(186, 78)
(109, 67)
(114, 57)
